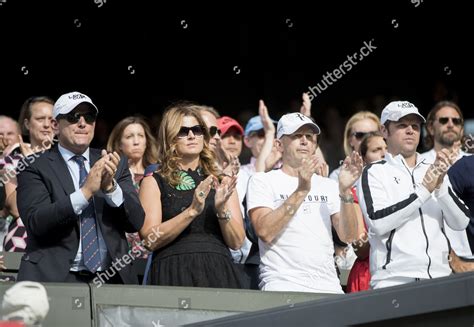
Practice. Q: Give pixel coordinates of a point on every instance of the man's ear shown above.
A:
(55, 126)
(384, 131)
(278, 145)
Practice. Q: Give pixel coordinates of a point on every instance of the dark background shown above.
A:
(137, 57)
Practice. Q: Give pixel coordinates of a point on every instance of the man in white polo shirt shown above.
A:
(292, 210)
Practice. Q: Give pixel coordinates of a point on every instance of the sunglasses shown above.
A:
(444, 120)
(197, 130)
(213, 130)
(74, 117)
(360, 135)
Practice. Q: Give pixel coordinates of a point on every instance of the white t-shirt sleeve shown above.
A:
(259, 192)
(334, 204)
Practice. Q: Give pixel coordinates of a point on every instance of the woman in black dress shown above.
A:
(192, 216)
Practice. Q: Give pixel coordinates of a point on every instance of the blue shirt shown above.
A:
(79, 203)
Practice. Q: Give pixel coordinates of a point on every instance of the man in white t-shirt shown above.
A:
(292, 210)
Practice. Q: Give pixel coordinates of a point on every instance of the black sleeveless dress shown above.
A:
(198, 256)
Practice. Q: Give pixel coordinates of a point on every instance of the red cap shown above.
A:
(225, 123)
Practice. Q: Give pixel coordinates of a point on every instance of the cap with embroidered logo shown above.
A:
(67, 102)
(290, 123)
(398, 109)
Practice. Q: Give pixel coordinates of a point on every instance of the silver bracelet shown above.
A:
(346, 199)
(226, 216)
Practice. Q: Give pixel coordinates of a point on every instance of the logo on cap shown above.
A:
(76, 96)
(406, 105)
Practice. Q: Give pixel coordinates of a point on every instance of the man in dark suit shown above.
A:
(77, 203)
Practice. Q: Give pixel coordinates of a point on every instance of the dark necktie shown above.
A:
(89, 238)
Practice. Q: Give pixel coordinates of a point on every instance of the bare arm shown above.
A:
(269, 223)
(10, 201)
(227, 201)
(346, 221)
(269, 128)
(361, 245)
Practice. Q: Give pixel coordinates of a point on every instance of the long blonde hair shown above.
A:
(168, 157)
(361, 115)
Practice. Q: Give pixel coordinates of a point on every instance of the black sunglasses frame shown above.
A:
(360, 135)
(197, 130)
(73, 117)
(213, 130)
(456, 121)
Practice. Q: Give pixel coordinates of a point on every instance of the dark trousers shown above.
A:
(99, 278)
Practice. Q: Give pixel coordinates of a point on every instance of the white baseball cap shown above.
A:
(290, 123)
(67, 102)
(398, 109)
(25, 301)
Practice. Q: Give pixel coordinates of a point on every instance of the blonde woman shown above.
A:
(359, 125)
(196, 215)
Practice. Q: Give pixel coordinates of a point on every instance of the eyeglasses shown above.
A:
(197, 130)
(213, 130)
(73, 117)
(444, 120)
(360, 135)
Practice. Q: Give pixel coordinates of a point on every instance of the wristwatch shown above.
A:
(226, 216)
(113, 188)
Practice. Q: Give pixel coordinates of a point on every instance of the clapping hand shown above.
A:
(110, 164)
(224, 190)
(350, 171)
(308, 167)
(306, 105)
(200, 194)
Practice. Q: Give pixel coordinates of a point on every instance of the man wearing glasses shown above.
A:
(77, 203)
(445, 126)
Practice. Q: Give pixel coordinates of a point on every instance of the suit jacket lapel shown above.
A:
(94, 155)
(59, 168)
